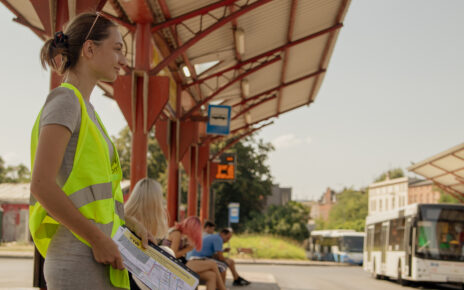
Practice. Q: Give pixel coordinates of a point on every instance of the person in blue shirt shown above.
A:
(213, 249)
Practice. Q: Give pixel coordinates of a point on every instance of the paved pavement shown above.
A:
(20, 276)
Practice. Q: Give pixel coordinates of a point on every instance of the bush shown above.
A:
(287, 221)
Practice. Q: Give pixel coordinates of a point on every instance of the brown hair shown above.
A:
(70, 44)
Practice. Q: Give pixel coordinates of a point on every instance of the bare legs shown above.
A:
(209, 272)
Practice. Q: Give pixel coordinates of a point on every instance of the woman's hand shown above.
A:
(106, 251)
(140, 231)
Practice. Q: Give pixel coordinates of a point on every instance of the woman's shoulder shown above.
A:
(61, 107)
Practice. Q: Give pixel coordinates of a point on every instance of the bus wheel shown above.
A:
(400, 279)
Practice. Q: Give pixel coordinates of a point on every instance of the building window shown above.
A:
(393, 202)
(380, 205)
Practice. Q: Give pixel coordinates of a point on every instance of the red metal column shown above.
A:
(172, 197)
(140, 137)
(204, 215)
(192, 200)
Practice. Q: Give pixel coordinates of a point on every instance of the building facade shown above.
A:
(423, 191)
(279, 196)
(14, 203)
(387, 195)
(395, 193)
(321, 209)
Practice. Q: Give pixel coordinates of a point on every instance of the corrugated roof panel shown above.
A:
(459, 188)
(177, 8)
(25, 8)
(265, 27)
(447, 180)
(265, 79)
(305, 58)
(449, 163)
(460, 153)
(313, 16)
(460, 173)
(429, 171)
(296, 94)
(264, 111)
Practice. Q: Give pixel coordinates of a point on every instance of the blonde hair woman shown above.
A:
(146, 205)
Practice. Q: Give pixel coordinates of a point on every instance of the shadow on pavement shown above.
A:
(256, 286)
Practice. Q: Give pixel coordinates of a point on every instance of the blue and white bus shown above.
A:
(344, 246)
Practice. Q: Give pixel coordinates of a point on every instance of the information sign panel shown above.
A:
(218, 120)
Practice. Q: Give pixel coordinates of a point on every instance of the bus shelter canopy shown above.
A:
(445, 169)
(261, 57)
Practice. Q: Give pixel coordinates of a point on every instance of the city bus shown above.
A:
(420, 242)
(344, 246)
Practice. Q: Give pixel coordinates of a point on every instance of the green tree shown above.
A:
(252, 184)
(3, 170)
(394, 173)
(14, 174)
(350, 211)
(446, 197)
(288, 221)
(156, 162)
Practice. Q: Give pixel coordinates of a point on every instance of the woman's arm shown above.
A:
(53, 140)
(175, 237)
(133, 224)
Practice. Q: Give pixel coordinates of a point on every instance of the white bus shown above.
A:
(420, 242)
(344, 246)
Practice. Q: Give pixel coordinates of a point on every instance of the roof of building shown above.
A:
(388, 182)
(14, 193)
(415, 182)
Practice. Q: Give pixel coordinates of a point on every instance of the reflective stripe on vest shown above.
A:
(93, 186)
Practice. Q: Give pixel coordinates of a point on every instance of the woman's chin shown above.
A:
(109, 79)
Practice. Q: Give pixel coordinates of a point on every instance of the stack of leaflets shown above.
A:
(156, 268)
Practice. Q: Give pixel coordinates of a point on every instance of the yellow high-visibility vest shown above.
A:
(93, 186)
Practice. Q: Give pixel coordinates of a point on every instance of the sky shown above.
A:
(393, 94)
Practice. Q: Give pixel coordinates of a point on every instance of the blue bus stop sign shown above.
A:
(218, 120)
(234, 212)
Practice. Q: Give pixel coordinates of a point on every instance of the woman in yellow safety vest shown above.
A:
(76, 200)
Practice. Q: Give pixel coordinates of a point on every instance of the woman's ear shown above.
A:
(87, 49)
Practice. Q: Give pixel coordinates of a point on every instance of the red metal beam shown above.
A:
(237, 139)
(205, 185)
(172, 196)
(167, 15)
(192, 200)
(291, 24)
(119, 21)
(237, 78)
(207, 31)
(308, 76)
(262, 120)
(179, 19)
(459, 196)
(254, 106)
(270, 52)
(326, 50)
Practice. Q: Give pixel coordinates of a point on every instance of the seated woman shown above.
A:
(182, 239)
(145, 206)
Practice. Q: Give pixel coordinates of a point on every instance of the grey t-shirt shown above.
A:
(62, 107)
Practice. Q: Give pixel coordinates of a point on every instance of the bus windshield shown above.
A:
(440, 234)
(351, 244)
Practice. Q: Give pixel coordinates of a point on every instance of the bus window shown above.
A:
(440, 234)
(377, 238)
(396, 235)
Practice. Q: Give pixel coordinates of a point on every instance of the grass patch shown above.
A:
(266, 247)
